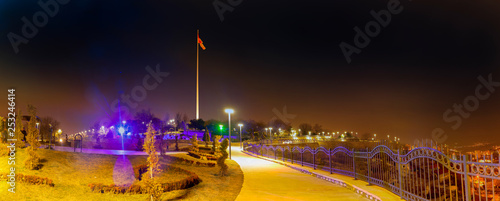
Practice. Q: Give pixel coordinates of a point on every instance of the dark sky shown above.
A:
(264, 55)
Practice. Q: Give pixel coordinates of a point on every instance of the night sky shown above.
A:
(264, 55)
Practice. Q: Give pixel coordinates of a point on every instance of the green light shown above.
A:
(220, 126)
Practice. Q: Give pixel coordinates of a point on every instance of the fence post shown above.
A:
(354, 163)
(330, 158)
(399, 176)
(275, 152)
(314, 158)
(261, 150)
(466, 179)
(369, 168)
(283, 154)
(302, 157)
(291, 154)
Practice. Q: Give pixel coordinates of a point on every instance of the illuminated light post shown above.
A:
(220, 128)
(38, 131)
(229, 111)
(241, 141)
(121, 130)
(271, 133)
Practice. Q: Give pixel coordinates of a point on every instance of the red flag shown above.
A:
(201, 43)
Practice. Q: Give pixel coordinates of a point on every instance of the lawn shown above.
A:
(72, 172)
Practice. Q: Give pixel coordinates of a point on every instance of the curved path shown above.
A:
(265, 180)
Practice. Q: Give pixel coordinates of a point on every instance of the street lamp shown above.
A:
(271, 134)
(241, 144)
(229, 111)
(38, 131)
(220, 128)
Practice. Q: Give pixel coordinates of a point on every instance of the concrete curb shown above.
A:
(324, 177)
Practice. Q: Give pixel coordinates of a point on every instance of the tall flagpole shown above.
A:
(197, 74)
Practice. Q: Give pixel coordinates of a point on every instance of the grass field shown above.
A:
(72, 172)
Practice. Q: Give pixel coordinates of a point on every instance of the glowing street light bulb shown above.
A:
(229, 112)
(241, 142)
(121, 130)
(124, 122)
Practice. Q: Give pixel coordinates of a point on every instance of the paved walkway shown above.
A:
(265, 180)
(109, 151)
(378, 191)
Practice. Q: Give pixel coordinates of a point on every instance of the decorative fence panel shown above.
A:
(422, 173)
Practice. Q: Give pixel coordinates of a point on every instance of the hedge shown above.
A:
(190, 162)
(30, 179)
(188, 182)
(199, 155)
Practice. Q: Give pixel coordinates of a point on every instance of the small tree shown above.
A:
(33, 160)
(18, 131)
(139, 145)
(194, 143)
(3, 129)
(206, 137)
(216, 144)
(176, 142)
(221, 161)
(152, 187)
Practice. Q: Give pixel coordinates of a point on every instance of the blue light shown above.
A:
(121, 130)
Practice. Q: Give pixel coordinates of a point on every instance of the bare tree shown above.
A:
(305, 128)
(178, 120)
(317, 129)
(48, 126)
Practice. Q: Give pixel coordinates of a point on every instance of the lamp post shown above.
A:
(271, 134)
(220, 128)
(229, 111)
(38, 131)
(241, 141)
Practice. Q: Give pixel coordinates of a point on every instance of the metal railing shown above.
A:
(423, 173)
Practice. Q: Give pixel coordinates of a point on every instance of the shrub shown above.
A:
(4, 151)
(187, 161)
(201, 155)
(206, 137)
(33, 161)
(221, 161)
(194, 143)
(30, 179)
(154, 188)
(216, 144)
